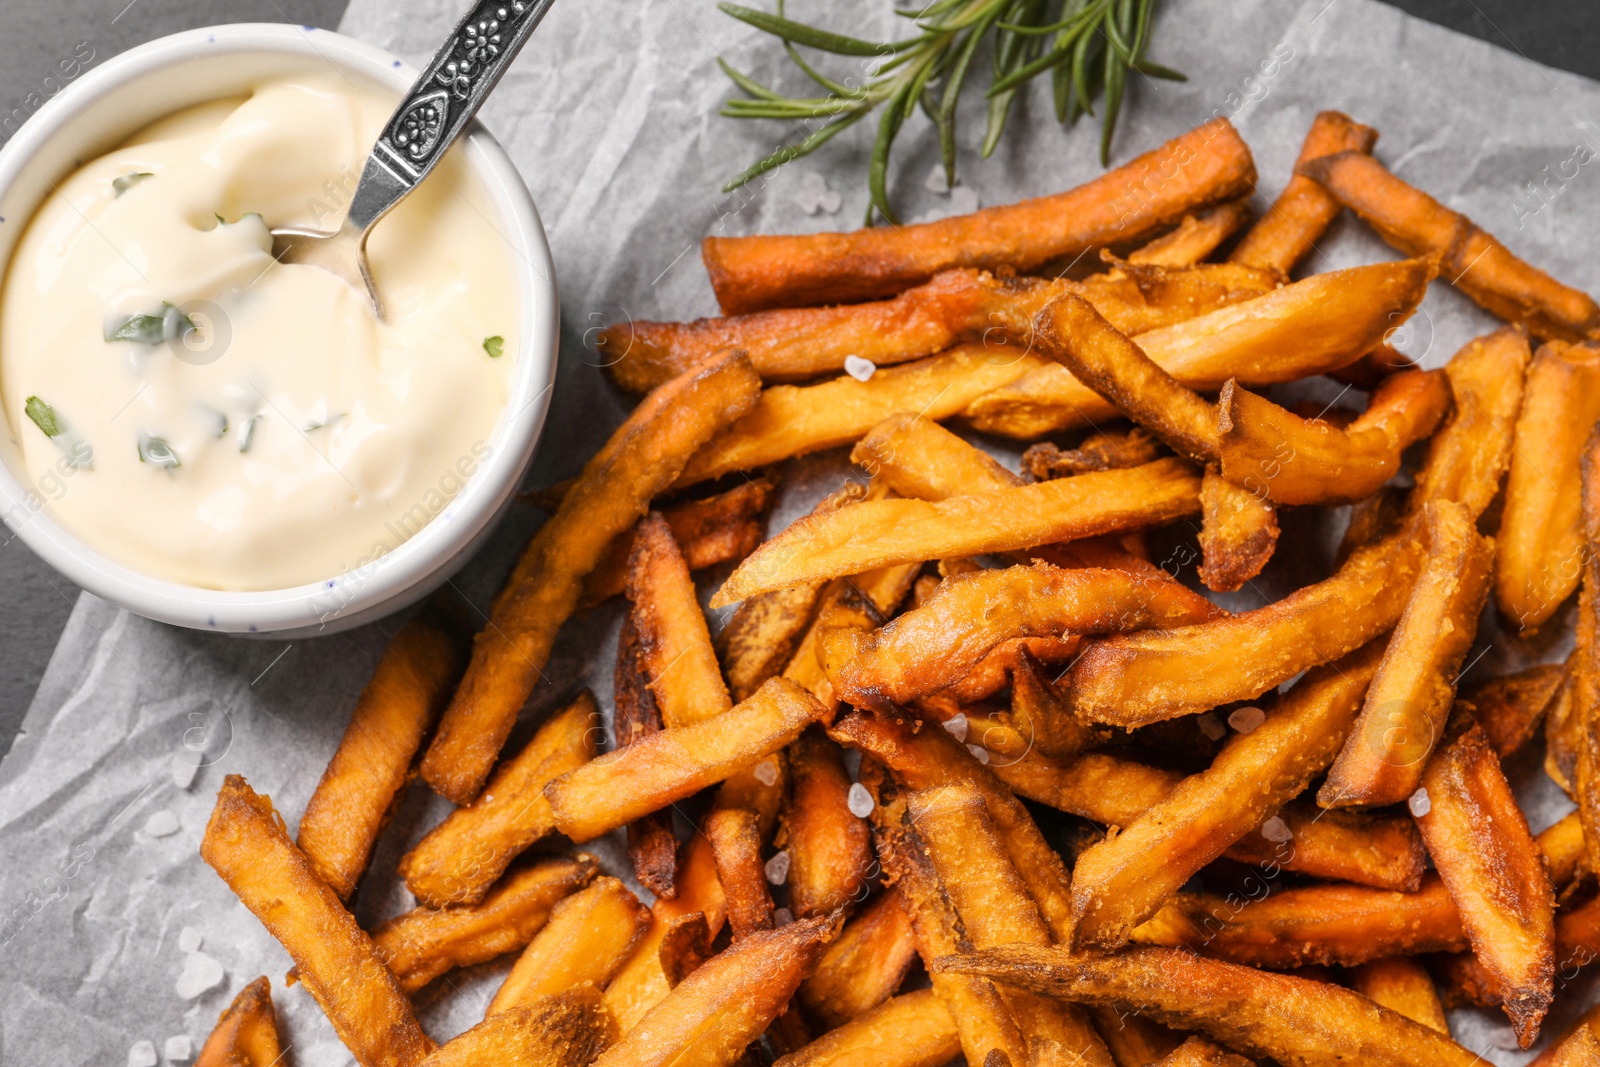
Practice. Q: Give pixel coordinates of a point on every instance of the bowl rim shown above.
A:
(442, 544)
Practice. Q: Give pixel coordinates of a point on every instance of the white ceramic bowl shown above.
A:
(106, 105)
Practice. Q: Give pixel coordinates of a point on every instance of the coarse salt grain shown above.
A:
(178, 1049)
(766, 772)
(1276, 830)
(859, 367)
(1419, 803)
(859, 801)
(1246, 719)
(201, 973)
(190, 939)
(979, 753)
(162, 824)
(778, 868)
(142, 1054)
(957, 725)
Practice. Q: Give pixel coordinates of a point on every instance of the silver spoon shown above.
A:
(431, 116)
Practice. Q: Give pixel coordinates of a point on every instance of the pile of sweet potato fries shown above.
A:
(1287, 837)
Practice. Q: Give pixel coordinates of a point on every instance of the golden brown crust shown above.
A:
(642, 458)
(1198, 1052)
(674, 640)
(1238, 533)
(652, 847)
(1207, 165)
(567, 1029)
(830, 848)
(1195, 238)
(247, 1033)
(1401, 984)
(912, 1030)
(1510, 708)
(588, 937)
(458, 860)
(865, 964)
(1470, 454)
(334, 958)
(735, 836)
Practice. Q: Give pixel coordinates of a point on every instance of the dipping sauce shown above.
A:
(201, 413)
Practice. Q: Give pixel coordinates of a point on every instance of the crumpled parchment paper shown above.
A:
(106, 909)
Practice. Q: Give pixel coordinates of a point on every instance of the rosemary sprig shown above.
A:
(1089, 46)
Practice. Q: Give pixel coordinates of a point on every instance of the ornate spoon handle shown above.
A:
(455, 84)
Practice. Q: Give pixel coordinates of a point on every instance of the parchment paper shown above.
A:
(611, 116)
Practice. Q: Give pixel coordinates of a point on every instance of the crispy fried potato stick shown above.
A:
(994, 907)
(1539, 547)
(1475, 262)
(463, 856)
(1198, 1052)
(1314, 326)
(1406, 708)
(1134, 1041)
(1289, 230)
(588, 937)
(246, 844)
(935, 646)
(1401, 984)
(1292, 460)
(918, 458)
(829, 846)
(1586, 658)
(984, 1021)
(855, 604)
(1370, 370)
(643, 457)
(1208, 165)
(1292, 1020)
(953, 307)
(567, 1029)
(913, 1030)
(1577, 945)
(883, 533)
(864, 965)
(1470, 454)
(924, 758)
(1135, 679)
(794, 420)
(1323, 924)
(1124, 880)
(1381, 851)
(1581, 1048)
(995, 669)
(735, 836)
(372, 764)
(657, 770)
(652, 847)
(1238, 533)
(1097, 452)
(759, 640)
(247, 1033)
(424, 943)
(724, 1005)
(1195, 238)
(1510, 708)
(674, 640)
(643, 981)
(1562, 846)
(718, 529)
(1563, 726)
(1040, 714)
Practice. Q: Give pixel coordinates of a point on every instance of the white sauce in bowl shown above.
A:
(251, 425)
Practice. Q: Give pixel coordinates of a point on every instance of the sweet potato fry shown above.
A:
(1401, 984)
(1134, 679)
(1581, 1048)
(1041, 715)
(935, 646)
(1577, 945)
(1381, 851)
(424, 943)
(1100, 451)
(1195, 238)
(1134, 1041)
(1289, 230)
(655, 771)
(724, 1005)
(864, 965)
(674, 640)
(913, 1030)
(855, 604)
(1406, 707)
(918, 458)
(464, 855)
(882, 533)
(1272, 1016)
(1510, 708)
(652, 845)
(1373, 519)
(372, 764)
(717, 529)
(247, 1033)
(922, 759)
(1561, 845)
(246, 844)
(1122, 881)
(1539, 547)
(1473, 261)
(794, 420)
(1470, 454)
(953, 824)
(588, 937)
(1238, 532)
(1323, 924)
(1584, 712)
(735, 836)
(1208, 165)
(953, 307)
(829, 847)
(1563, 727)
(1369, 372)
(642, 458)
(995, 669)
(1310, 327)
(1292, 460)
(1198, 1052)
(566, 1029)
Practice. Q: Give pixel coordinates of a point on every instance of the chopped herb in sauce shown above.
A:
(152, 329)
(43, 416)
(128, 181)
(495, 346)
